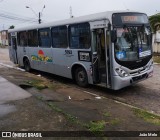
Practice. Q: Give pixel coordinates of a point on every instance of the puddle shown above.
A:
(24, 86)
(6, 109)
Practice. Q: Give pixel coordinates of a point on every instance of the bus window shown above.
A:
(45, 37)
(59, 37)
(22, 38)
(79, 36)
(33, 38)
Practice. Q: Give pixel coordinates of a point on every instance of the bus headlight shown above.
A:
(121, 72)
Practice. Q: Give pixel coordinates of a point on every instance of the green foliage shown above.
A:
(154, 22)
(11, 27)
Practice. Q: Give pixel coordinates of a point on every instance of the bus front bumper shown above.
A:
(121, 82)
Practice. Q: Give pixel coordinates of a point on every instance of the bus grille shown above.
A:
(137, 72)
(137, 78)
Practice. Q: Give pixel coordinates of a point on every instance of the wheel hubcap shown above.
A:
(81, 76)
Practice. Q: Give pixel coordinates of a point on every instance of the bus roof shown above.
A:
(74, 20)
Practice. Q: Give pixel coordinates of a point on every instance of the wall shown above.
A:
(4, 37)
(155, 43)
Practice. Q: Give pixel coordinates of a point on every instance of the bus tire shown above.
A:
(27, 65)
(81, 77)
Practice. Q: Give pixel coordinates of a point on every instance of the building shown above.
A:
(4, 38)
(157, 35)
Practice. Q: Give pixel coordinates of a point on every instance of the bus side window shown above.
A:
(33, 38)
(79, 36)
(59, 37)
(44, 37)
(22, 39)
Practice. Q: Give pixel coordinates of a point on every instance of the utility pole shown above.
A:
(39, 20)
(39, 14)
(70, 12)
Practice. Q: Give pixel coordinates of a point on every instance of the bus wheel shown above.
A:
(81, 77)
(27, 66)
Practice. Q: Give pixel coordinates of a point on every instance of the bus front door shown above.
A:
(99, 57)
(13, 50)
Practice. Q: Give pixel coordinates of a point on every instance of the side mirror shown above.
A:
(114, 36)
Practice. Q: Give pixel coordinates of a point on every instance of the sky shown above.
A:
(60, 9)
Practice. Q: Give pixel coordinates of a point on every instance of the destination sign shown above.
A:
(119, 19)
(130, 19)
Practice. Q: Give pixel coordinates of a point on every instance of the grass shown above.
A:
(107, 114)
(115, 121)
(39, 98)
(39, 84)
(149, 117)
(68, 116)
(96, 125)
(156, 59)
(43, 84)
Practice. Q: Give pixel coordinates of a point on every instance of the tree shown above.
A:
(11, 27)
(155, 22)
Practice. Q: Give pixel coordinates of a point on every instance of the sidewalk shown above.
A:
(11, 92)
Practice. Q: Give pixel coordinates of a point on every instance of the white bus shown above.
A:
(112, 49)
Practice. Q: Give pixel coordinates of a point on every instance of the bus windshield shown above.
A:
(133, 43)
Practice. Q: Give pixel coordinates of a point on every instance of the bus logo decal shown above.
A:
(41, 57)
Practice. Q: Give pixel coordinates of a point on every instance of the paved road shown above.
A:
(145, 94)
(4, 56)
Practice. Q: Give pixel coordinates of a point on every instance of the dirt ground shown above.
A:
(51, 109)
(58, 105)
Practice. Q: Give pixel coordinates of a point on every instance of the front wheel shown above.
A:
(81, 77)
(27, 66)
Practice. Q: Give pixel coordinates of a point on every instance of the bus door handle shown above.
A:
(95, 59)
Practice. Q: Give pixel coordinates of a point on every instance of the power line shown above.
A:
(15, 18)
(11, 16)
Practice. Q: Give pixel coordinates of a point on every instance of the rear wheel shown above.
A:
(27, 66)
(81, 77)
